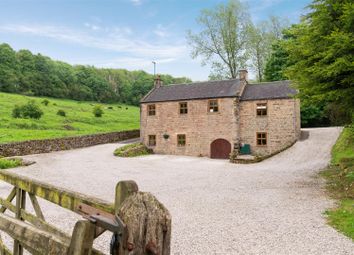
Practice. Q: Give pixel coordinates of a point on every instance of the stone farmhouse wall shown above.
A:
(282, 124)
(200, 126)
(67, 143)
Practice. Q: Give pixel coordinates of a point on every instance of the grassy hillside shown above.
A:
(79, 119)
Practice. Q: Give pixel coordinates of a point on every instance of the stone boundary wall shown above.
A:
(66, 143)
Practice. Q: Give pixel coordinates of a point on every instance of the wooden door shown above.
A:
(220, 148)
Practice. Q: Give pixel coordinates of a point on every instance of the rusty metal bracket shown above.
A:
(102, 220)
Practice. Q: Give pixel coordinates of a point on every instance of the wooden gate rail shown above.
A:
(129, 218)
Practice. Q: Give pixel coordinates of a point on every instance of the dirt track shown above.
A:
(273, 207)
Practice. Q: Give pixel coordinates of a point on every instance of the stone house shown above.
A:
(213, 118)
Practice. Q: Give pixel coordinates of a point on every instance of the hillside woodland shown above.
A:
(31, 74)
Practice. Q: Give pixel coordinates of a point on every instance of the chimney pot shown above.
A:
(243, 74)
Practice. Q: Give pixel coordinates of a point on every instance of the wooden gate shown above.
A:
(220, 148)
(139, 223)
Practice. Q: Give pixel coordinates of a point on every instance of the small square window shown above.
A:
(151, 110)
(181, 140)
(261, 109)
(213, 106)
(183, 108)
(152, 140)
(262, 139)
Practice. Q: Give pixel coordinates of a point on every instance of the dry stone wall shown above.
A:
(67, 143)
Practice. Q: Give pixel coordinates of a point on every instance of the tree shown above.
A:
(261, 38)
(322, 53)
(276, 63)
(8, 69)
(259, 47)
(222, 41)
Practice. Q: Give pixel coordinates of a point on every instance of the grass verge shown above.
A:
(340, 183)
(132, 150)
(9, 163)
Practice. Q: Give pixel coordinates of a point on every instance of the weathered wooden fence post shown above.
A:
(148, 222)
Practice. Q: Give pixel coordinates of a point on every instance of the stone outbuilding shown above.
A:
(214, 118)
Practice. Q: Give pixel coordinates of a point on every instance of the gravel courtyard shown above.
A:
(273, 207)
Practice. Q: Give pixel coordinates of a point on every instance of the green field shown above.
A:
(79, 119)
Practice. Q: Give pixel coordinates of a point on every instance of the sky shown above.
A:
(127, 34)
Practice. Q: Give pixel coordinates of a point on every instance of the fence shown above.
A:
(139, 223)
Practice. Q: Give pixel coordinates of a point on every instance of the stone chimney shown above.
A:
(158, 82)
(243, 74)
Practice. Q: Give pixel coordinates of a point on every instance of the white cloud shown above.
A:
(136, 2)
(126, 43)
(92, 26)
(160, 31)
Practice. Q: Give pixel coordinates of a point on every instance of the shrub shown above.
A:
(16, 112)
(32, 110)
(61, 113)
(110, 108)
(29, 110)
(45, 102)
(132, 150)
(97, 111)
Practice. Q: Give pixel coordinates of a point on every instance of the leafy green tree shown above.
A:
(8, 69)
(277, 63)
(322, 53)
(222, 41)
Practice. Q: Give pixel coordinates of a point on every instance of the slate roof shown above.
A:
(268, 90)
(220, 89)
(197, 90)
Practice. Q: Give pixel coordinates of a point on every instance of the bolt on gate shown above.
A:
(139, 223)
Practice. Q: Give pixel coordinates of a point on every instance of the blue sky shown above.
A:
(121, 33)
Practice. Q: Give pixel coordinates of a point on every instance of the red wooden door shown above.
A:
(220, 148)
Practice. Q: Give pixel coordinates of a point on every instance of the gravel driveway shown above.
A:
(273, 207)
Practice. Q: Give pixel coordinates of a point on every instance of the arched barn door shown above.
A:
(220, 148)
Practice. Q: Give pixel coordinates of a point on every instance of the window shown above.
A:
(152, 140)
(262, 139)
(151, 110)
(183, 108)
(261, 109)
(181, 140)
(213, 106)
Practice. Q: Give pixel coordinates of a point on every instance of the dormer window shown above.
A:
(262, 109)
(183, 108)
(213, 106)
(151, 109)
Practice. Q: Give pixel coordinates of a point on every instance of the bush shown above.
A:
(16, 112)
(97, 111)
(45, 102)
(61, 113)
(132, 150)
(110, 108)
(29, 110)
